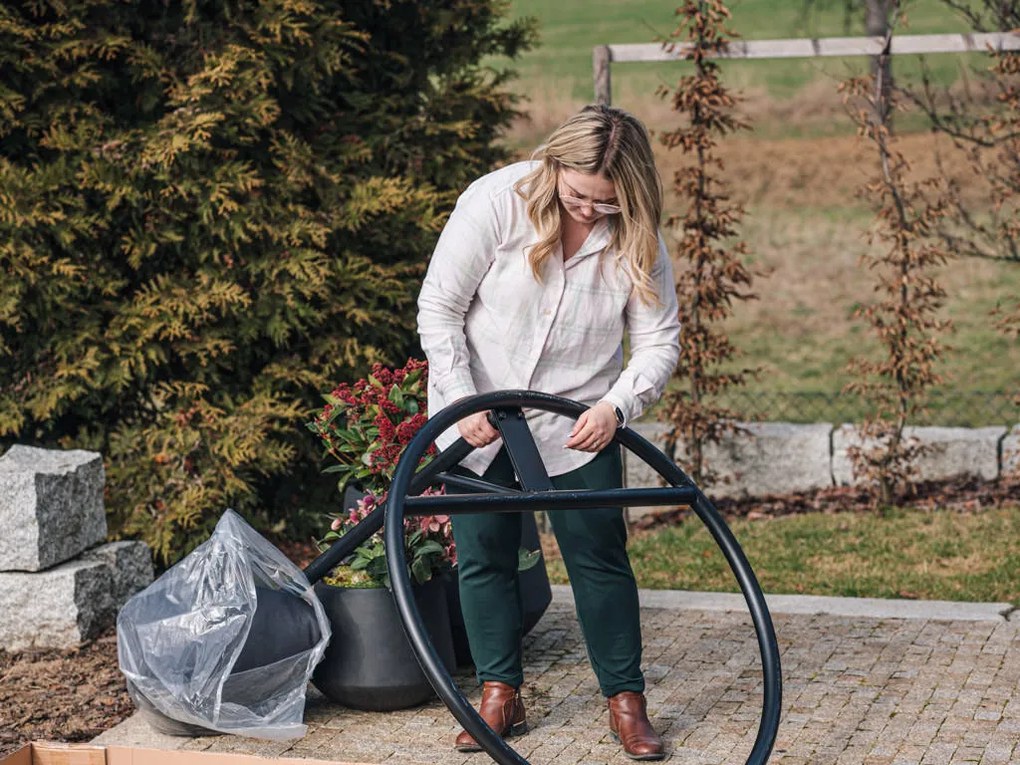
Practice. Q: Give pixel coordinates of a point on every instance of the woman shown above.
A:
(541, 270)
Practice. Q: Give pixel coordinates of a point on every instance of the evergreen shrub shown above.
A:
(210, 212)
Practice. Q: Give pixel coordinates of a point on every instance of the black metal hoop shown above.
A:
(682, 491)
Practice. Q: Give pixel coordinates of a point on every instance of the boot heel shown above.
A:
(499, 702)
(629, 724)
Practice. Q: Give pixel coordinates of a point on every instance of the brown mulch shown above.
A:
(61, 695)
(74, 695)
(962, 495)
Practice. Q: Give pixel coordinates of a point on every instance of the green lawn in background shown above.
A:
(560, 67)
(930, 555)
(800, 333)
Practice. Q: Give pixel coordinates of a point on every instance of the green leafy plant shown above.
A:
(428, 548)
(365, 427)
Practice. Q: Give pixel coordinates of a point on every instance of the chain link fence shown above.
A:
(969, 409)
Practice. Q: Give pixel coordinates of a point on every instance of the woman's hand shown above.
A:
(594, 429)
(477, 430)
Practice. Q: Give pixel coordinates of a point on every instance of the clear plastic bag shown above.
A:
(224, 641)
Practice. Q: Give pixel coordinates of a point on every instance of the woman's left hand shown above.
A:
(594, 429)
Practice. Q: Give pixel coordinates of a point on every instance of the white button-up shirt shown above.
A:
(487, 324)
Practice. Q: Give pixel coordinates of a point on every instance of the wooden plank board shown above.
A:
(826, 46)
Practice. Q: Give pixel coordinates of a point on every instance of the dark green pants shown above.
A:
(593, 543)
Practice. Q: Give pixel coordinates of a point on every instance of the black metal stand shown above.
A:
(538, 494)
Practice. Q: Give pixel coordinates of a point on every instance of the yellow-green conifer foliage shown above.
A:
(210, 212)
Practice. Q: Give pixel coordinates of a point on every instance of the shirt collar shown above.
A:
(597, 241)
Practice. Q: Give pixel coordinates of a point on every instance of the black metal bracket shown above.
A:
(520, 445)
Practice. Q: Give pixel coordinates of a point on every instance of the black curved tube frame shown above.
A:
(405, 478)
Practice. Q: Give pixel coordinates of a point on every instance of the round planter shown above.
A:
(369, 664)
(536, 594)
(272, 663)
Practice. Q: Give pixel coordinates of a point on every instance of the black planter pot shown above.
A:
(256, 677)
(536, 594)
(535, 591)
(369, 664)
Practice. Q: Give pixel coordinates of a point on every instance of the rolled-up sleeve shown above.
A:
(654, 332)
(463, 255)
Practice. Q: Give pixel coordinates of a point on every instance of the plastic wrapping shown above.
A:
(224, 641)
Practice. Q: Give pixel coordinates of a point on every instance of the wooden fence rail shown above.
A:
(603, 56)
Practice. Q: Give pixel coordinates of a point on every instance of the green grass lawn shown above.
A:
(560, 66)
(931, 555)
(800, 331)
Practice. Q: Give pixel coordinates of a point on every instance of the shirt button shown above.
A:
(547, 312)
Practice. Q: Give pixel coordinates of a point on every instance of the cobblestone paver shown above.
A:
(857, 691)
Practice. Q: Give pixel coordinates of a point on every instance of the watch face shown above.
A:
(619, 416)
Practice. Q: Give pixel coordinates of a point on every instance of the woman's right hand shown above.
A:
(477, 430)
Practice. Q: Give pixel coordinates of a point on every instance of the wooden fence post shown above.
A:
(600, 59)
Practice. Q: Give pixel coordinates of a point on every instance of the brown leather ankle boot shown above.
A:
(503, 711)
(628, 721)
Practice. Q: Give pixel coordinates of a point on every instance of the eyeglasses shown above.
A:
(599, 207)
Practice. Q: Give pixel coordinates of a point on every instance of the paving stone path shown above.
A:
(865, 683)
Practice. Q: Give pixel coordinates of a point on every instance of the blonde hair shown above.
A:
(611, 142)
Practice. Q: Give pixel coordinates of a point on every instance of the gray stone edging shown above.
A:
(51, 506)
(780, 457)
(874, 608)
(68, 604)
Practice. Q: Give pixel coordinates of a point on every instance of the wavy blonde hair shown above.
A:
(611, 142)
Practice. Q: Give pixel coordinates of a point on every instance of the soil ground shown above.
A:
(74, 695)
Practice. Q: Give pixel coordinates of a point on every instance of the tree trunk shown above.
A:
(876, 24)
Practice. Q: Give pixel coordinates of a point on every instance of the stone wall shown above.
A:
(778, 457)
(1011, 452)
(948, 452)
(60, 582)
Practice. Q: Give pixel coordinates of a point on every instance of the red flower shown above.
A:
(406, 431)
(365, 429)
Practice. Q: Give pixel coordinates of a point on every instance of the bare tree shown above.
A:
(982, 122)
(905, 318)
(878, 20)
(877, 23)
(710, 271)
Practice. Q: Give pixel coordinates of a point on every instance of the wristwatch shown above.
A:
(619, 416)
